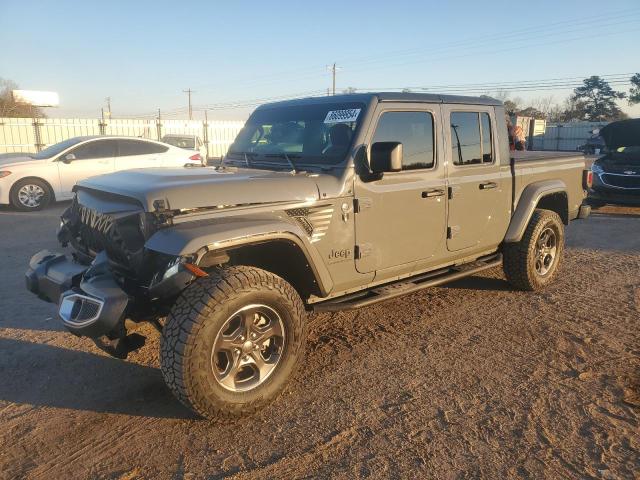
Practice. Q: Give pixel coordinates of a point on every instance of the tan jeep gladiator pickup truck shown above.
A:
(320, 204)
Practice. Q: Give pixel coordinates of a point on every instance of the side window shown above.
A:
(465, 138)
(487, 143)
(471, 140)
(415, 131)
(95, 149)
(138, 147)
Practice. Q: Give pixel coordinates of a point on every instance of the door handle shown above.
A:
(436, 192)
(488, 185)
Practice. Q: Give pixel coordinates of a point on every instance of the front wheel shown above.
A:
(532, 263)
(232, 341)
(30, 194)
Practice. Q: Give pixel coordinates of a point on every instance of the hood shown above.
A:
(189, 187)
(19, 157)
(625, 133)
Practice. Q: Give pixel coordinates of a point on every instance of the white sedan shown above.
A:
(31, 181)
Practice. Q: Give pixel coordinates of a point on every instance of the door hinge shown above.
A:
(453, 231)
(359, 204)
(363, 250)
(449, 193)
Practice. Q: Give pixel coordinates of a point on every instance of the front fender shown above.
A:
(224, 233)
(527, 204)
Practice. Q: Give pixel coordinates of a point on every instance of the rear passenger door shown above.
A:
(134, 153)
(475, 186)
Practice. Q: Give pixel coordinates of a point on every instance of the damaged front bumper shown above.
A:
(90, 301)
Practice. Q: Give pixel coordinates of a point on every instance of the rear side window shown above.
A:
(95, 149)
(487, 141)
(415, 131)
(137, 147)
(471, 141)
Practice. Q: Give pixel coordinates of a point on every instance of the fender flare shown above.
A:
(527, 203)
(191, 238)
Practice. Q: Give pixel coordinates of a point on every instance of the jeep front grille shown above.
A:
(120, 238)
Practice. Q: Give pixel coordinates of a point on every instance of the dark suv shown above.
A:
(616, 175)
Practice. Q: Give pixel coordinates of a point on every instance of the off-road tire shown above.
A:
(519, 258)
(45, 199)
(194, 322)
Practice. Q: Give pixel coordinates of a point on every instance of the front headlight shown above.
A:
(4, 173)
(173, 268)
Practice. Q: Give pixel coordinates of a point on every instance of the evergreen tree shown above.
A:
(598, 100)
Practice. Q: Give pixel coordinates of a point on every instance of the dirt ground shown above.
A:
(472, 380)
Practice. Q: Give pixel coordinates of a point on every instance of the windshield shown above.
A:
(54, 150)
(319, 134)
(181, 142)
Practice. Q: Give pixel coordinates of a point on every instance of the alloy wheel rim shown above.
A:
(30, 195)
(248, 348)
(546, 250)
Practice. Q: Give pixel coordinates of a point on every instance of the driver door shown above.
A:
(94, 157)
(401, 218)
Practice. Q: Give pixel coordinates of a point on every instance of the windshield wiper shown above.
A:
(246, 155)
(287, 157)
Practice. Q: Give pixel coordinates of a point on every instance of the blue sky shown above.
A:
(144, 53)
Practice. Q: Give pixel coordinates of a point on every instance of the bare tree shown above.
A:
(8, 106)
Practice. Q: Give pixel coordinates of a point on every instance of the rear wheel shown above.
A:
(532, 263)
(30, 194)
(232, 341)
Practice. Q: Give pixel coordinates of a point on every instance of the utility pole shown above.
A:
(333, 74)
(189, 92)
(108, 99)
(159, 126)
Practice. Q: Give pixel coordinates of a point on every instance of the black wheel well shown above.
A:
(282, 257)
(48, 185)
(556, 202)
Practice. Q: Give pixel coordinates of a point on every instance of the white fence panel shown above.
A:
(17, 135)
(21, 135)
(55, 130)
(565, 136)
(132, 128)
(221, 135)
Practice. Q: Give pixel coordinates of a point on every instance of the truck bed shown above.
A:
(528, 156)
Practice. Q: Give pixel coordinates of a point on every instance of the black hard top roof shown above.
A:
(388, 97)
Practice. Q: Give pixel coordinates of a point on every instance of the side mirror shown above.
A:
(68, 158)
(386, 157)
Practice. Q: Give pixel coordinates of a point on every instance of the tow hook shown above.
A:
(120, 347)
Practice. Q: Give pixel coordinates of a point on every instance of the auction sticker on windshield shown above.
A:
(342, 116)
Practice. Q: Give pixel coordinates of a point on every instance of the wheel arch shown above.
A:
(280, 255)
(548, 194)
(278, 247)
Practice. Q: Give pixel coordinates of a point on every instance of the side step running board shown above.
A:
(403, 287)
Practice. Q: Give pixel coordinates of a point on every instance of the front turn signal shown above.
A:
(197, 271)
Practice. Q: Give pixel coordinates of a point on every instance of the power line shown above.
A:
(556, 83)
(521, 35)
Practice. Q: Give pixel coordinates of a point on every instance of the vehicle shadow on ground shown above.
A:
(480, 283)
(49, 376)
(55, 209)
